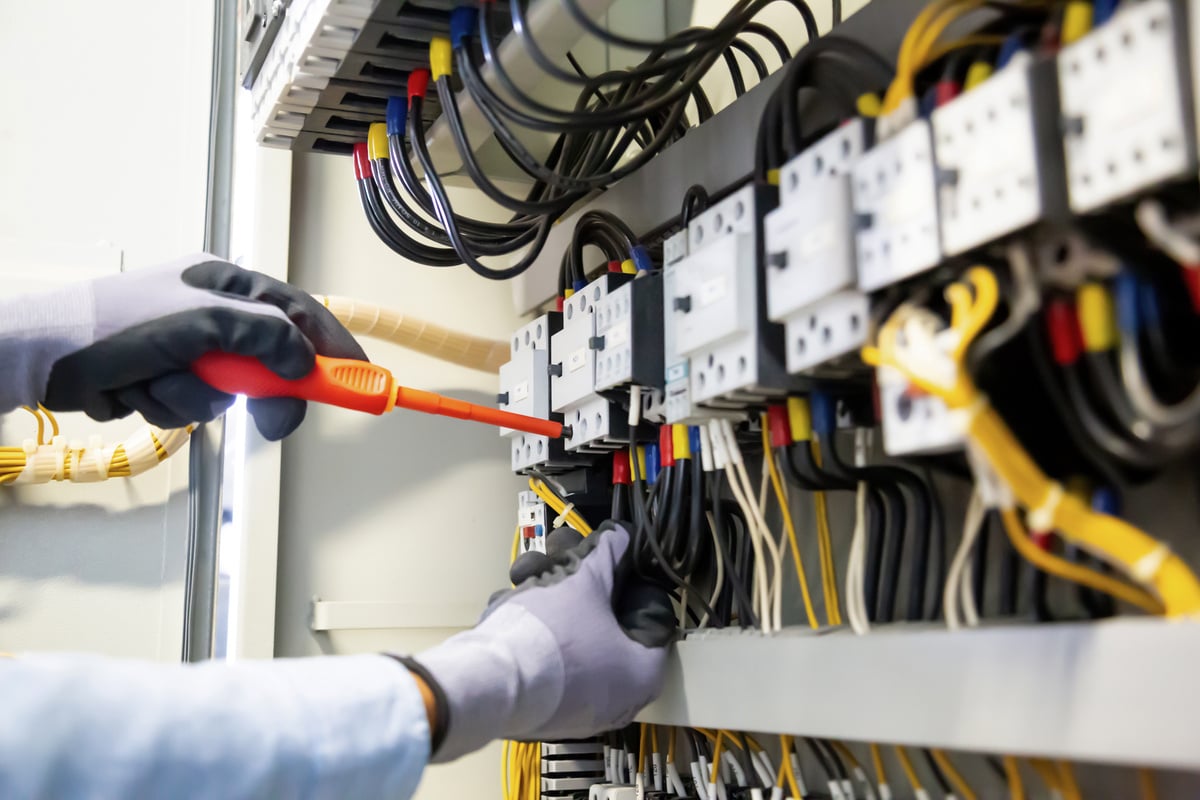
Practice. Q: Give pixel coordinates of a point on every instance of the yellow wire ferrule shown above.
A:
(680, 442)
(1097, 317)
(377, 141)
(441, 57)
(773, 177)
(869, 105)
(628, 267)
(977, 73)
(799, 419)
(1077, 21)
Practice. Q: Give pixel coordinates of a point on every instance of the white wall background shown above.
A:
(103, 163)
(405, 508)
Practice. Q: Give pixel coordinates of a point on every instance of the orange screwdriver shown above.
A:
(357, 385)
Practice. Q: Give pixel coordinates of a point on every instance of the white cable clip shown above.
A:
(1041, 519)
(561, 519)
(1145, 568)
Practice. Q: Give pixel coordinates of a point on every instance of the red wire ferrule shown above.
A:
(418, 83)
(1191, 277)
(614, 266)
(620, 468)
(778, 426)
(945, 91)
(666, 446)
(362, 161)
(558, 304)
(1062, 324)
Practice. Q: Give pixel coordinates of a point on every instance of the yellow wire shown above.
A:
(953, 775)
(41, 434)
(788, 524)
(516, 548)
(789, 773)
(671, 745)
(1047, 773)
(1060, 567)
(547, 495)
(877, 763)
(50, 417)
(1146, 784)
(909, 772)
(833, 613)
(716, 762)
(642, 749)
(1012, 774)
(1067, 776)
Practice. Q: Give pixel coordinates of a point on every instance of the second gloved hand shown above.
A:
(148, 326)
(567, 654)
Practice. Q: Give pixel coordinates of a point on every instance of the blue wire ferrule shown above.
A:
(1102, 11)
(641, 258)
(1106, 500)
(397, 116)
(929, 102)
(652, 464)
(694, 440)
(577, 285)
(824, 413)
(1014, 44)
(463, 21)
(1149, 307)
(1129, 317)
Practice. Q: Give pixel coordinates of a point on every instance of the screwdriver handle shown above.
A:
(357, 385)
(344, 382)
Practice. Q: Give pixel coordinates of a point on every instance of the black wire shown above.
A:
(937, 772)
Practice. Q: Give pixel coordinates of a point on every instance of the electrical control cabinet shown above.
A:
(895, 204)
(999, 156)
(1127, 114)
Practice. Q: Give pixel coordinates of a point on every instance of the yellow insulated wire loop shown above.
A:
(1012, 776)
(910, 773)
(919, 356)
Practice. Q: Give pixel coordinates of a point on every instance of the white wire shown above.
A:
(774, 584)
(971, 527)
(1142, 396)
(856, 601)
(759, 583)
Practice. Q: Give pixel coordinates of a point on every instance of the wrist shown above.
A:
(437, 708)
(501, 679)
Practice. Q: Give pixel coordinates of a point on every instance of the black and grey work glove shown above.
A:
(148, 326)
(571, 652)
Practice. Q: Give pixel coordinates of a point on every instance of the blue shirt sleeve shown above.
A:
(335, 727)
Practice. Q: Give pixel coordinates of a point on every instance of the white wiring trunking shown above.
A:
(1127, 119)
(895, 203)
(811, 264)
(999, 156)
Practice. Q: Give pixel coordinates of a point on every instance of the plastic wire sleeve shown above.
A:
(437, 734)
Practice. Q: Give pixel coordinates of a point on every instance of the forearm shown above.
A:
(35, 330)
(338, 727)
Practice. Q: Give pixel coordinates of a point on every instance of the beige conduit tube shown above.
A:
(38, 461)
(464, 349)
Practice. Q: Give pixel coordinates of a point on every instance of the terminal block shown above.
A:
(1127, 111)
(597, 422)
(533, 521)
(895, 205)
(718, 309)
(811, 263)
(999, 156)
(525, 389)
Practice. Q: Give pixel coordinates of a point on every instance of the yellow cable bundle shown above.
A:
(431, 339)
(788, 524)
(571, 516)
(915, 342)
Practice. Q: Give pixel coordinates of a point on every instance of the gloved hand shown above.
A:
(148, 326)
(575, 651)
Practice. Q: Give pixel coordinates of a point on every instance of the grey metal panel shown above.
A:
(715, 155)
(1120, 691)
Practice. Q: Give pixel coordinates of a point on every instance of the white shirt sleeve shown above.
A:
(333, 727)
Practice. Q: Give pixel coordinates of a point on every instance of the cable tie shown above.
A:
(1147, 567)
(1041, 519)
(561, 519)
